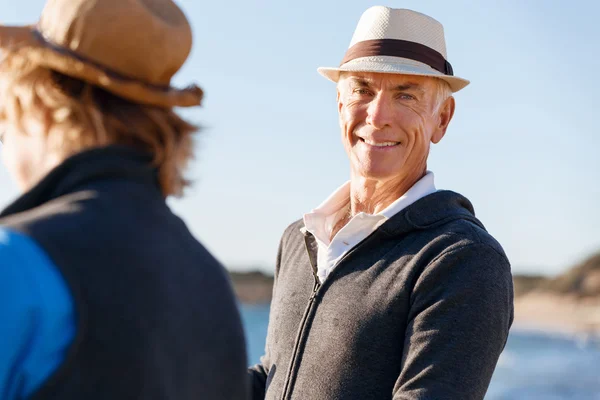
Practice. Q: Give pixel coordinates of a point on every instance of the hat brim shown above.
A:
(391, 65)
(25, 41)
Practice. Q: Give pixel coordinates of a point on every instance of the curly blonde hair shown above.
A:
(79, 116)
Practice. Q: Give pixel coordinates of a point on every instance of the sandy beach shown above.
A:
(558, 313)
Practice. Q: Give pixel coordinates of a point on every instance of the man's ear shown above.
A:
(339, 103)
(444, 117)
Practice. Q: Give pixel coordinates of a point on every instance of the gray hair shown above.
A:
(443, 92)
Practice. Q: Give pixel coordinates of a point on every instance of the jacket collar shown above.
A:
(111, 162)
(430, 211)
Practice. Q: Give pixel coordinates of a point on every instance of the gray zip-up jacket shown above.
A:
(420, 309)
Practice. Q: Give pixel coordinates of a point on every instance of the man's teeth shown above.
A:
(380, 144)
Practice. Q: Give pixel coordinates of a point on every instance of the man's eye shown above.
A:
(405, 96)
(362, 91)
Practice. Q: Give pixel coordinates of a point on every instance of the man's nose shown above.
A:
(379, 112)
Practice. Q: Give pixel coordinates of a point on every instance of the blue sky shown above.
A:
(523, 145)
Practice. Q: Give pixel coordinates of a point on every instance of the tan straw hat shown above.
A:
(131, 48)
(397, 41)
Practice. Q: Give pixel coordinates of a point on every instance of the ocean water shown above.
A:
(534, 365)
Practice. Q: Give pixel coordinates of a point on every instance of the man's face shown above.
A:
(388, 122)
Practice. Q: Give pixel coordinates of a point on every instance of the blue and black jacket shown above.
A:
(105, 294)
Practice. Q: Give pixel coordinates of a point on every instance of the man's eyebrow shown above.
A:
(409, 86)
(359, 81)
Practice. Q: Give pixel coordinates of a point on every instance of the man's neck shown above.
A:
(372, 196)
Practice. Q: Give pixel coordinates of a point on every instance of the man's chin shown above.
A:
(379, 172)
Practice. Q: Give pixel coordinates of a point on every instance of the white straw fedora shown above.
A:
(397, 41)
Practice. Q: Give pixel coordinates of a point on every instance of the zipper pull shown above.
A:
(314, 293)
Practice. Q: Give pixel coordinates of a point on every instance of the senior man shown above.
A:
(390, 288)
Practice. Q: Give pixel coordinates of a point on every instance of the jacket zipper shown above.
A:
(300, 335)
(292, 367)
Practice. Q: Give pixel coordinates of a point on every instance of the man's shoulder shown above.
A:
(294, 230)
(447, 219)
(458, 248)
(466, 232)
(293, 237)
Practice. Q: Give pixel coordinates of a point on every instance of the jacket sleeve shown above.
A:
(260, 372)
(461, 312)
(37, 319)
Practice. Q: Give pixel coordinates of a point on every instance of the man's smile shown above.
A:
(379, 144)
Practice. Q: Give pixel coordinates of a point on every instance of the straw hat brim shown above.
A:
(25, 40)
(391, 65)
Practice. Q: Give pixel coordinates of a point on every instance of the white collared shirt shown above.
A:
(321, 221)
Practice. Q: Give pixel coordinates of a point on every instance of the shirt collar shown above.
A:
(320, 221)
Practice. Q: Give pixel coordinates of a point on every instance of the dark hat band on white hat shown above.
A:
(399, 48)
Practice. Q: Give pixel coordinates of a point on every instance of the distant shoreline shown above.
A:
(252, 287)
(551, 312)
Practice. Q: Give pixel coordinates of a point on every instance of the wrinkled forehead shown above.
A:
(384, 80)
